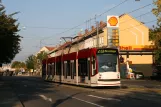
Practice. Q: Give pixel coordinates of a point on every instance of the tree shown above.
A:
(18, 65)
(30, 62)
(157, 10)
(34, 62)
(42, 55)
(15, 64)
(9, 39)
(155, 32)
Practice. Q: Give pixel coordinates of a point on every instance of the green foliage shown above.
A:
(17, 64)
(30, 62)
(157, 10)
(9, 39)
(34, 62)
(42, 55)
(158, 56)
(155, 33)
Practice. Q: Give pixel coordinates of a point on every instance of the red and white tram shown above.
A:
(91, 67)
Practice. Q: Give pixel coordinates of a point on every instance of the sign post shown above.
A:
(113, 31)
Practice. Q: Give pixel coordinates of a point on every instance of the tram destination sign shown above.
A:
(106, 51)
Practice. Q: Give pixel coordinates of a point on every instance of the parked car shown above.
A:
(20, 73)
(156, 75)
(137, 74)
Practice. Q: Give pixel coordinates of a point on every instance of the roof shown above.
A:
(121, 15)
(50, 48)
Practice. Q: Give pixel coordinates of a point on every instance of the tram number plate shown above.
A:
(106, 51)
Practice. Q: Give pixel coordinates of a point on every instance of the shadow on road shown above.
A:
(133, 99)
(25, 88)
(29, 88)
(60, 101)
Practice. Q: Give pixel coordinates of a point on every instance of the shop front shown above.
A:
(139, 59)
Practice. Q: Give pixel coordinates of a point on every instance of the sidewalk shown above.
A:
(7, 96)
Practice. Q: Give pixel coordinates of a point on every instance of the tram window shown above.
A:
(82, 70)
(48, 70)
(58, 68)
(94, 65)
(62, 65)
(79, 69)
(71, 65)
(43, 69)
(88, 68)
(65, 70)
(74, 68)
(68, 68)
(53, 69)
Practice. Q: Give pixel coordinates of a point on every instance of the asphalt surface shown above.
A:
(142, 83)
(34, 92)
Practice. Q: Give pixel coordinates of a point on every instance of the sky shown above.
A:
(43, 21)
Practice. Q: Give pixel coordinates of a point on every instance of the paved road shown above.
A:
(33, 92)
(142, 83)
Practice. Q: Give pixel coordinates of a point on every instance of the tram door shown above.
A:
(82, 69)
(93, 70)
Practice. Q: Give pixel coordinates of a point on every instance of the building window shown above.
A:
(102, 39)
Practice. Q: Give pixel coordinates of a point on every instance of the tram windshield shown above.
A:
(107, 62)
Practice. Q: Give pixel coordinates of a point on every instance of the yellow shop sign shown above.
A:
(137, 47)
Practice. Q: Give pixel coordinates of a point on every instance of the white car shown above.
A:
(20, 73)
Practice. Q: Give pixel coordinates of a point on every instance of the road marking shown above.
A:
(45, 98)
(87, 102)
(104, 98)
